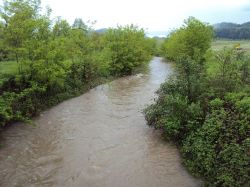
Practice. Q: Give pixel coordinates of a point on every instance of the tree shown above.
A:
(3, 50)
(192, 40)
(129, 48)
(61, 28)
(19, 25)
(79, 24)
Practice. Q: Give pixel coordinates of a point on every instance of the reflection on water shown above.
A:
(99, 139)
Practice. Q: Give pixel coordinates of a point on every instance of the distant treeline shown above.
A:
(232, 30)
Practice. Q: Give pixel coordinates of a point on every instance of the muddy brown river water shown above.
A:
(99, 139)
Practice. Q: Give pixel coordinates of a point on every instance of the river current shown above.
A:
(99, 139)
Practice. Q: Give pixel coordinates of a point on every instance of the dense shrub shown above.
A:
(128, 47)
(206, 115)
(219, 150)
(192, 39)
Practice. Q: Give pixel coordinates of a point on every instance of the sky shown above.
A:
(152, 15)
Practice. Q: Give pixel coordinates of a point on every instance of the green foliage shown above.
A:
(20, 106)
(219, 150)
(173, 112)
(8, 68)
(192, 39)
(206, 114)
(20, 23)
(3, 50)
(129, 49)
(55, 61)
(231, 71)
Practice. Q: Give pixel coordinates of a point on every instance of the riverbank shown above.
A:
(97, 139)
(205, 107)
(31, 101)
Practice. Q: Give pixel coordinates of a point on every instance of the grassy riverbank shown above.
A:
(205, 107)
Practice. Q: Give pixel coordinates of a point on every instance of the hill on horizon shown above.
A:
(232, 30)
(224, 30)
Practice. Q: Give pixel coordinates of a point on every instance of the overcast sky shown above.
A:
(153, 15)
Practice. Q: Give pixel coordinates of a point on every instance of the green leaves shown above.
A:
(192, 40)
(20, 25)
(129, 49)
(207, 115)
(223, 138)
(56, 60)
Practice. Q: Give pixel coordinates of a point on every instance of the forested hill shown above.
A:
(232, 30)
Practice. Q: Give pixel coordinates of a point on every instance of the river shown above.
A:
(99, 139)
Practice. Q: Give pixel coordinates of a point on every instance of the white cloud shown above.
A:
(151, 14)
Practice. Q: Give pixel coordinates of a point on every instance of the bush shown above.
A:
(219, 150)
(128, 48)
(206, 115)
(192, 39)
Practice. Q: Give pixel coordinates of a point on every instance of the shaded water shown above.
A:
(99, 139)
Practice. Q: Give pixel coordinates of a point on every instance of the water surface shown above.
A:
(99, 139)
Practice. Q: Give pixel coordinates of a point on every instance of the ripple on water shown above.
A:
(97, 139)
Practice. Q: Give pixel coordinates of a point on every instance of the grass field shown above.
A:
(220, 44)
(212, 64)
(10, 67)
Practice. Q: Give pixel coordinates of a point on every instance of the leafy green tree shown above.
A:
(85, 50)
(3, 51)
(79, 24)
(193, 39)
(20, 24)
(61, 28)
(38, 45)
(129, 49)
